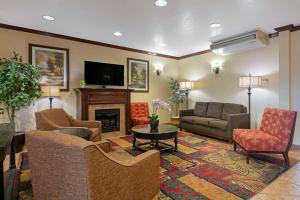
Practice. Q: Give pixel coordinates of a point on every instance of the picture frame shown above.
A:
(138, 75)
(53, 63)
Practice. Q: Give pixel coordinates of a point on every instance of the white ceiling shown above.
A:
(183, 24)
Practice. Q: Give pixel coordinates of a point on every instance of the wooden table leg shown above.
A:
(134, 141)
(175, 141)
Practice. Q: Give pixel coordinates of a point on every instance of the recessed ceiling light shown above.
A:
(215, 25)
(163, 44)
(117, 33)
(48, 17)
(161, 3)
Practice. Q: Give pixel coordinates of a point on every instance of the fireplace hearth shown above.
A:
(110, 119)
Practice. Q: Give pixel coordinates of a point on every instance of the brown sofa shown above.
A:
(66, 167)
(215, 119)
(58, 119)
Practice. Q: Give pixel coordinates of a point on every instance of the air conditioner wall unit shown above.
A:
(241, 43)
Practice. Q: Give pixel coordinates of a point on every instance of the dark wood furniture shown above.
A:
(91, 96)
(163, 132)
(6, 144)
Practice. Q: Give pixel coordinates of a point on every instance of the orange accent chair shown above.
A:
(139, 113)
(275, 135)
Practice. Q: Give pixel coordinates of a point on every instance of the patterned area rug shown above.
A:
(203, 168)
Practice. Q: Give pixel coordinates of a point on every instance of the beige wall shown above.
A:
(295, 81)
(79, 52)
(224, 87)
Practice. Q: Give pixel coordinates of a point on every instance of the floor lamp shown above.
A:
(249, 82)
(50, 91)
(186, 86)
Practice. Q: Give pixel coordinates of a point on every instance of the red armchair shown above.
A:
(139, 113)
(275, 135)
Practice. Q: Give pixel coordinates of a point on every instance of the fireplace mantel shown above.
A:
(90, 97)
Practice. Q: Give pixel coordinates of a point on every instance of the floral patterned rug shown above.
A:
(202, 168)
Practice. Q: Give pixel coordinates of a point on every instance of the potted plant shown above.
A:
(82, 83)
(177, 96)
(156, 105)
(19, 85)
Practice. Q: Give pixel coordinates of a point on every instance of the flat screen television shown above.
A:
(104, 74)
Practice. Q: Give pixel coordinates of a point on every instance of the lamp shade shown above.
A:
(50, 91)
(250, 81)
(186, 85)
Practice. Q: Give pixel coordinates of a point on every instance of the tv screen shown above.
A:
(96, 73)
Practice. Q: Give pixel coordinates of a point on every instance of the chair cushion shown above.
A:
(279, 123)
(220, 124)
(230, 108)
(79, 132)
(214, 110)
(139, 109)
(57, 116)
(139, 121)
(257, 140)
(200, 109)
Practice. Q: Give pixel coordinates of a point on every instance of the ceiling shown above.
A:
(183, 24)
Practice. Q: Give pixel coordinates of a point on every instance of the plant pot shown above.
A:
(82, 86)
(154, 124)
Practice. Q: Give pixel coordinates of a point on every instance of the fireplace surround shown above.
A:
(89, 100)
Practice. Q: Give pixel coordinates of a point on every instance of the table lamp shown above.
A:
(50, 91)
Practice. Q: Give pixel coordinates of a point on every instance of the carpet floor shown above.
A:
(202, 168)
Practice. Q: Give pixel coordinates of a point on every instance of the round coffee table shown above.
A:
(163, 132)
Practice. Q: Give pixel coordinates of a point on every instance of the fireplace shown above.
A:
(110, 119)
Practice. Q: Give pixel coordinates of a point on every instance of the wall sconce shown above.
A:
(216, 67)
(158, 69)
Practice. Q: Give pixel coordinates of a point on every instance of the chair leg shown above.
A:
(234, 146)
(247, 157)
(286, 158)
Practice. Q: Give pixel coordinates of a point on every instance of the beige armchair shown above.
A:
(65, 167)
(56, 118)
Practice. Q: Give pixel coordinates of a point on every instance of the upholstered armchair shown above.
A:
(65, 167)
(56, 119)
(274, 136)
(139, 113)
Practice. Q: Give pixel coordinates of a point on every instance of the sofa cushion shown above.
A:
(197, 120)
(230, 108)
(200, 109)
(220, 124)
(214, 110)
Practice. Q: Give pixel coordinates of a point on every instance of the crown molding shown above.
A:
(194, 54)
(66, 37)
(289, 27)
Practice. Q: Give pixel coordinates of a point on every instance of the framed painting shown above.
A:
(138, 75)
(53, 64)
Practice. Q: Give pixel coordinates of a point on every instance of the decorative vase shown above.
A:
(154, 124)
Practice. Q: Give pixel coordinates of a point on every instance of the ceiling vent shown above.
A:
(241, 43)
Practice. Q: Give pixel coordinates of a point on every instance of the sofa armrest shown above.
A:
(183, 113)
(88, 124)
(238, 121)
(104, 145)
